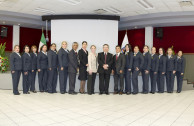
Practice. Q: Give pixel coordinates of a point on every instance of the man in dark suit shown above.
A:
(72, 68)
(154, 69)
(63, 60)
(118, 70)
(105, 60)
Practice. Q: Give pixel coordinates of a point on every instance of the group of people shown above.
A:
(125, 67)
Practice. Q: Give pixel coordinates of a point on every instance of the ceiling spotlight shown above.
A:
(135, 27)
(4, 22)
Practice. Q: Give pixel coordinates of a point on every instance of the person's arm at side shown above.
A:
(49, 60)
(111, 61)
(149, 62)
(164, 64)
(142, 61)
(71, 60)
(157, 64)
(130, 61)
(100, 60)
(175, 65)
(38, 62)
(183, 66)
(12, 66)
(82, 61)
(123, 63)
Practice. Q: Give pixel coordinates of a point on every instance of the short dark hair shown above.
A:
(146, 46)
(163, 51)
(84, 42)
(118, 46)
(52, 45)
(106, 45)
(25, 47)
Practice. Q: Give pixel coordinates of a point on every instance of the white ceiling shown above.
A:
(164, 13)
(128, 7)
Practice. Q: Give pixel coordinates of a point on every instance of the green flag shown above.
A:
(42, 41)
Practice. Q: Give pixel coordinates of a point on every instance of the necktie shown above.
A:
(105, 58)
(116, 56)
(75, 53)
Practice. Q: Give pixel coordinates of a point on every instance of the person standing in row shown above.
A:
(63, 60)
(180, 71)
(27, 70)
(138, 62)
(33, 55)
(16, 68)
(72, 68)
(42, 66)
(83, 58)
(154, 69)
(146, 69)
(161, 70)
(128, 66)
(92, 69)
(118, 70)
(171, 66)
(105, 60)
(52, 69)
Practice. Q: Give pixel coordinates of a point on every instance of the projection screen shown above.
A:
(95, 32)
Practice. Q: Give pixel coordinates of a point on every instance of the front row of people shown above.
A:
(125, 67)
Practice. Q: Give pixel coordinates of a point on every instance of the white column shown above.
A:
(16, 35)
(149, 36)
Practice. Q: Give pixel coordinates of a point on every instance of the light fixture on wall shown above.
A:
(185, 3)
(145, 4)
(42, 10)
(71, 2)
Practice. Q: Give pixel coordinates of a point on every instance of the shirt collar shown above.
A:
(44, 53)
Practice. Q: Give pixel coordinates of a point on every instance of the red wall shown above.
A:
(182, 38)
(136, 37)
(29, 36)
(8, 39)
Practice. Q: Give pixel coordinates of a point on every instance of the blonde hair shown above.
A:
(92, 46)
(63, 43)
(16, 46)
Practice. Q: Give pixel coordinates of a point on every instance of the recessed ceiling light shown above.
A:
(145, 4)
(185, 3)
(46, 11)
(4, 22)
(135, 27)
(71, 2)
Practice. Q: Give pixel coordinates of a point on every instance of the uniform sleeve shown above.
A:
(24, 62)
(142, 61)
(149, 62)
(164, 64)
(100, 60)
(157, 63)
(183, 65)
(12, 66)
(49, 59)
(123, 63)
(60, 58)
(130, 61)
(175, 64)
(38, 61)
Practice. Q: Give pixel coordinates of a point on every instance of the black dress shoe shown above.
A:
(54, 91)
(115, 92)
(106, 93)
(100, 93)
(93, 93)
(128, 93)
(28, 92)
(34, 91)
(74, 93)
(89, 93)
(134, 93)
(17, 94)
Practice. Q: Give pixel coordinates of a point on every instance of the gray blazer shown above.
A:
(181, 64)
(26, 62)
(15, 62)
(63, 58)
(171, 64)
(162, 64)
(119, 64)
(138, 61)
(147, 62)
(73, 62)
(154, 63)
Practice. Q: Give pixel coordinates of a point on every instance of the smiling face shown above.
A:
(105, 48)
(44, 48)
(180, 53)
(34, 50)
(84, 45)
(161, 51)
(93, 49)
(53, 47)
(75, 46)
(169, 51)
(127, 48)
(17, 49)
(136, 49)
(153, 50)
(145, 49)
(118, 49)
(64, 45)
(26, 50)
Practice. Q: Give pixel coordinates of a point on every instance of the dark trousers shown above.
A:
(91, 83)
(32, 86)
(170, 81)
(145, 79)
(26, 81)
(42, 78)
(104, 79)
(179, 81)
(63, 74)
(15, 80)
(128, 81)
(72, 80)
(153, 77)
(52, 80)
(160, 82)
(118, 79)
(135, 75)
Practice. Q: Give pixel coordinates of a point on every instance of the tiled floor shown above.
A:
(44, 109)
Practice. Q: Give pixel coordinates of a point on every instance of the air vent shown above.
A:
(185, 3)
(100, 11)
(113, 10)
(71, 2)
(145, 4)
